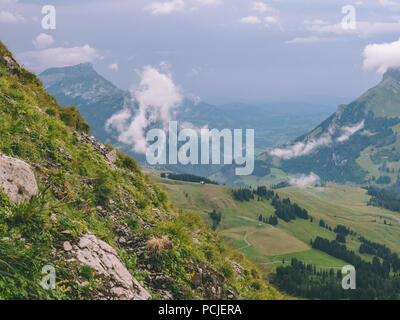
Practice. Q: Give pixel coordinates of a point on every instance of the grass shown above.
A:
(78, 180)
(270, 245)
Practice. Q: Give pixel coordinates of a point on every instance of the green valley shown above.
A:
(268, 246)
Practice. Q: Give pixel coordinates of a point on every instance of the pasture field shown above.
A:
(269, 246)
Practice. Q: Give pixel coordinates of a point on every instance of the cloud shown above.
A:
(382, 56)
(58, 57)
(271, 20)
(172, 6)
(301, 40)
(304, 180)
(300, 149)
(250, 20)
(10, 18)
(43, 40)
(209, 2)
(114, 66)
(261, 7)
(157, 98)
(349, 131)
(164, 8)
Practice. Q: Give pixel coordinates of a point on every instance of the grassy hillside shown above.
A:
(268, 246)
(81, 193)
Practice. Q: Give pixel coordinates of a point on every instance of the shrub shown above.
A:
(133, 223)
(227, 270)
(102, 190)
(156, 246)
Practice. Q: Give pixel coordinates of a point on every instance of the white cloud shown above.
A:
(250, 20)
(172, 6)
(9, 17)
(164, 8)
(382, 56)
(271, 20)
(209, 2)
(302, 148)
(157, 98)
(305, 148)
(304, 180)
(349, 131)
(301, 40)
(261, 7)
(58, 57)
(43, 40)
(114, 66)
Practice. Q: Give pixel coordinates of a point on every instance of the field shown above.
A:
(270, 246)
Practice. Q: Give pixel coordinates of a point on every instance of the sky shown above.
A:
(217, 50)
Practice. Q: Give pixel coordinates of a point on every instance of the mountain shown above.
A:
(97, 99)
(81, 218)
(359, 144)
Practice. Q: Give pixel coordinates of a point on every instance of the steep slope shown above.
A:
(96, 222)
(360, 143)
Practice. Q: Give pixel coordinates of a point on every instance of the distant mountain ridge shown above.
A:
(360, 143)
(98, 99)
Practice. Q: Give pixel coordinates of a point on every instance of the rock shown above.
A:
(17, 179)
(111, 157)
(67, 246)
(104, 260)
(11, 65)
(237, 267)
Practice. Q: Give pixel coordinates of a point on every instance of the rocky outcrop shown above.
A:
(110, 155)
(11, 65)
(17, 179)
(104, 260)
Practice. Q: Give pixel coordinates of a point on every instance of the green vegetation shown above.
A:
(187, 177)
(81, 193)
(343, 210)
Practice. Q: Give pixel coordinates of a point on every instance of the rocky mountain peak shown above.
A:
(392, 73)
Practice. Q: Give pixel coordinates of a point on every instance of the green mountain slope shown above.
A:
(359, 144)
(98, 220)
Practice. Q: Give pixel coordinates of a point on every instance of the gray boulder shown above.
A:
(17, 179)
(104, 260)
